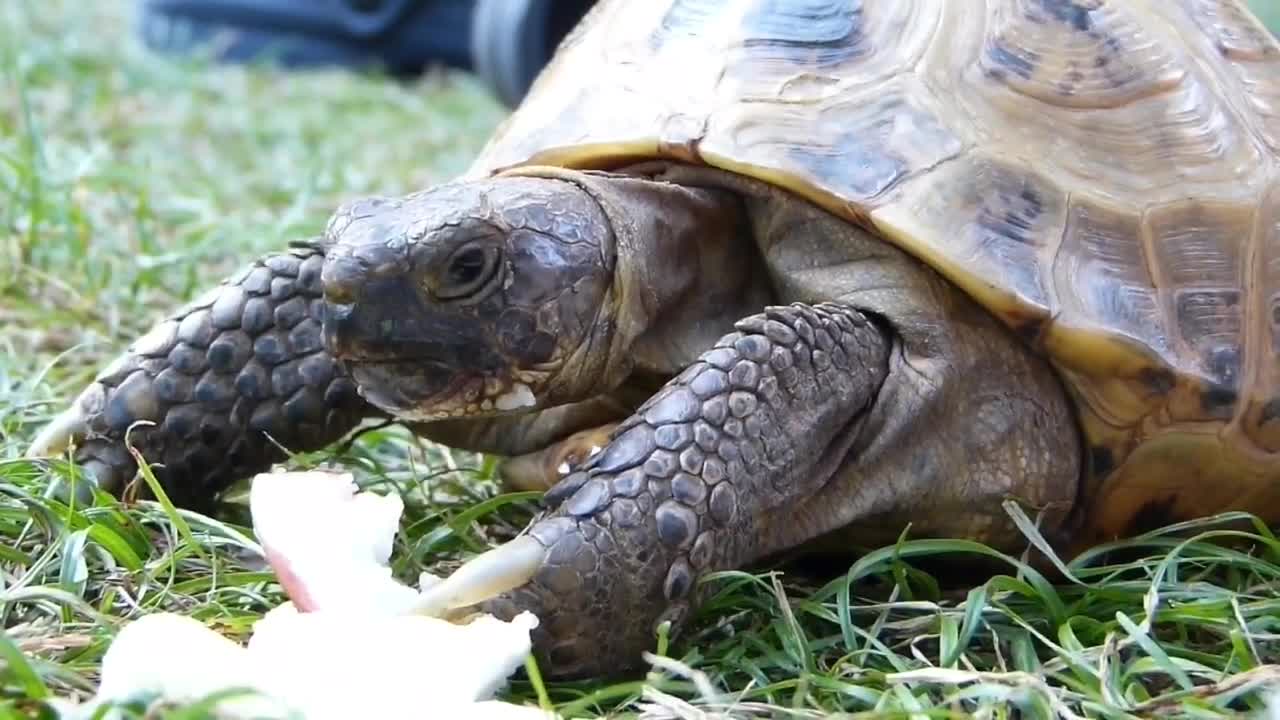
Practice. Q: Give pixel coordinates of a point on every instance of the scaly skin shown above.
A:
(220, 378)
(758, 423)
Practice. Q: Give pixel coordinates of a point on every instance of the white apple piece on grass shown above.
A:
(351, 642)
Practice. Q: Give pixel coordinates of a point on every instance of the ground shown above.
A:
(127, 183)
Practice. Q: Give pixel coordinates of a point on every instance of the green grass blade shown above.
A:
(17, 666)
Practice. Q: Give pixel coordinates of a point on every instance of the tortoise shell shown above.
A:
(1102, 176)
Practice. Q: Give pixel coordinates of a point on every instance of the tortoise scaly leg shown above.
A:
(214, 384)
(760, 421)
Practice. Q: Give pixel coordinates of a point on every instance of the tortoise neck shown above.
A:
(686, 269)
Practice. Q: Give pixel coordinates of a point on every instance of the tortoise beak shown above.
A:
(404, 359)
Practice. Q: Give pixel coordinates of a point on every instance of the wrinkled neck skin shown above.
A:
(685, 269)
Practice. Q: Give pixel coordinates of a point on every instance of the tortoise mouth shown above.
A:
(423, 391)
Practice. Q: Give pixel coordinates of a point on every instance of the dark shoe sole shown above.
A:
(399, 36)
(507, 42)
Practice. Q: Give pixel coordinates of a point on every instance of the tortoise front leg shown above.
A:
(208, 393)
(687, 483)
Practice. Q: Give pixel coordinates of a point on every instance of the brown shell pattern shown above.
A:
(1100, 175)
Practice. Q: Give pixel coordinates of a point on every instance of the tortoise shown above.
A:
(739, 276)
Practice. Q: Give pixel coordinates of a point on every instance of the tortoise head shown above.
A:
(471, 298)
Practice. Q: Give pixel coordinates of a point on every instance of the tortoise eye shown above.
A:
(468, 270)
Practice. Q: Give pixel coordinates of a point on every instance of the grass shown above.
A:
(128, 183)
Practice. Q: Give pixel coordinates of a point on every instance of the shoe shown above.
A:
(511, 40)
(507, 42)
(401, 37)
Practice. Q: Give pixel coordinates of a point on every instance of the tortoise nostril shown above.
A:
(341, 282)
(344, 295)
(340, 294)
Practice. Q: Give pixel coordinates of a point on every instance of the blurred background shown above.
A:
(1269, 11)
(505, 42)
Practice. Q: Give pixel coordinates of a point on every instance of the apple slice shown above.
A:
(349, 643)
(329, 544)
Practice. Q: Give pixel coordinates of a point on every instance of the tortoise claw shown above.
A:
(484, 577)
(542, 469)
(70, 426)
